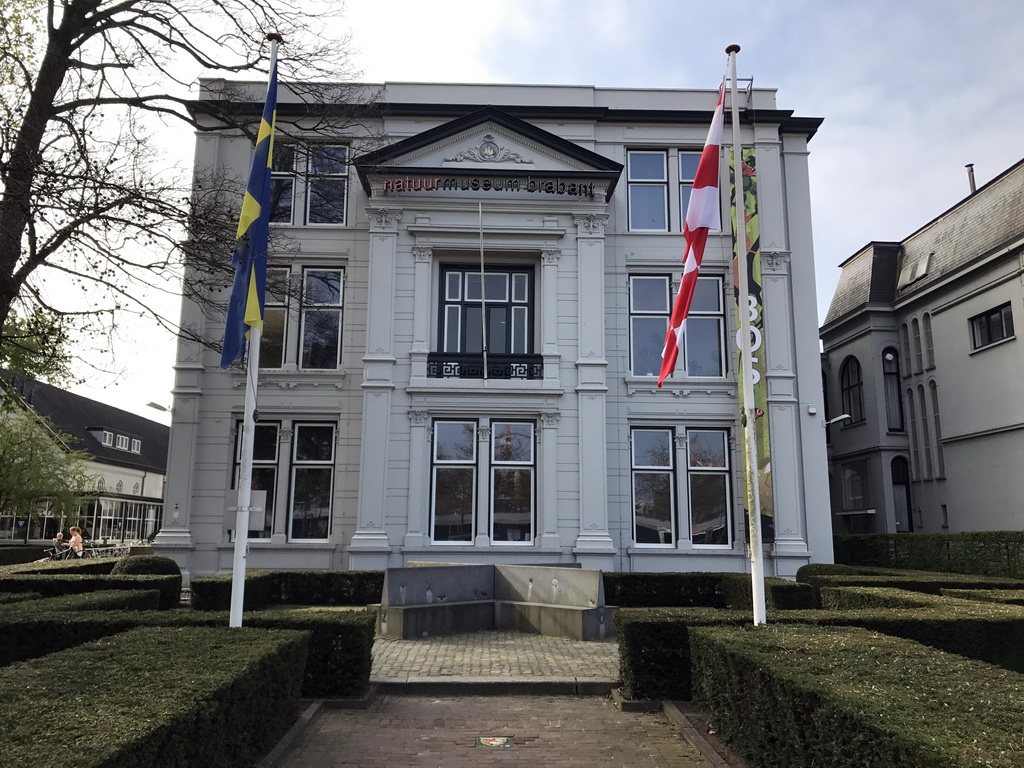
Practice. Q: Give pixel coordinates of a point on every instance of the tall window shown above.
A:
(647, 178)
(855, 487)
(313, 340)
(312, 481)
(940, 460)
(688, 162)
(321, 319)
(925, 432)
(707, 453)
(512, 482)
(915, 435)
(992, 326)
(653, 458)
(704, 336)
(929, 342)
(891, 382)
(905, 344)
(851, 387)
(313, 180)
(508, 461)
(915, 327)
(264, 475)
(649, 308)
(507, 294)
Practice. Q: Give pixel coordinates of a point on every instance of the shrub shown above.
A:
(52, 585)
(185, 696)
(148, 564)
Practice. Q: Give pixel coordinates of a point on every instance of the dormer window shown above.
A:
(107, 439)
(136, 446)
(122, 443)
(914, 268)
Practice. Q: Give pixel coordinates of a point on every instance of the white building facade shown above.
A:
(546, 220)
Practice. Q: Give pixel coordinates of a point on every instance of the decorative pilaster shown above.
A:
(594, 547)
(483, 489)
(279, 531)
(369, 548)
(549, 312)
(547, 497)
(418, 524)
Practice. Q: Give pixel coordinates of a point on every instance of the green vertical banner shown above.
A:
(755, 345)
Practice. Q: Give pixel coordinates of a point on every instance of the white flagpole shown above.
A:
(483, 292)
(748, 413)
(252, 368)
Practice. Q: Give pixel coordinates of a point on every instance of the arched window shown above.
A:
(940, 464)
(905, 343)
(119, 488)
(135, 489)
(891, 382)
(100, 484)
(851, 385)
(929, 344)
(915, 329)
(926, 442)
(915, 440)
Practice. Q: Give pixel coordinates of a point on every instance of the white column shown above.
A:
(279, 531)
(547, 492)
(549, 312)
(594, 547)
(370, 548)
(423, 256)
(417, 532)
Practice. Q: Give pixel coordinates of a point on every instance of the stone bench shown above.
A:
(428, 600)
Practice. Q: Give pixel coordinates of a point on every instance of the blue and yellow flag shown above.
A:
(245, 307)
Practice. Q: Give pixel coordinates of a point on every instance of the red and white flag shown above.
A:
(703, 213)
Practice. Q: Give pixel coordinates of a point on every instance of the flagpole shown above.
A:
(747, 415)
(252, 367)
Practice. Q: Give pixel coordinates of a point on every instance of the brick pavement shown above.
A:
(546, 731)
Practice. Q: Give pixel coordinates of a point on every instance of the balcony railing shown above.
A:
(446, 365)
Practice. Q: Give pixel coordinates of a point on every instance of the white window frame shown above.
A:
(298, 465)
(303, 177)
(292, 306)
(724, 471)
(122, 443)
(668, 536)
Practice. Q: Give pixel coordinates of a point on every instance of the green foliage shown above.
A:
(19, 553)
(1004, 596)
(264, 588)
(36, 466)
(148, 564)
(789, 696)
(101, 600)
(983, 553)
(53, 585)
(37, 346)
(215, 697)
(650, 590)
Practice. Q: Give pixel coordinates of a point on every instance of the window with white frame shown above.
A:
(119, 487)
(136, 445)
(688, 162)
(653, 460)
(703, 353)
(309, 185)
(992, 326)
(647, 181)
(122, 443)
(303, 328)
(306, 473)
(929, 341)
(108, 439)
(851, 388)
(708, 479)
(507, 460)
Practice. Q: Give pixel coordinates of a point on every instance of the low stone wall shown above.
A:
(427, 600)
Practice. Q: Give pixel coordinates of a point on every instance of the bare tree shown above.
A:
(84, 201)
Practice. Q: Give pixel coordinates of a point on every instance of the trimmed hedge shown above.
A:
(790, 696)
(856, 598)
(15, 554)
(146, 564)
(654, 643)
(983, 553)
(1004, 596)
(198, 696)
(92, 565)
(265, 588)
(337, 666)
(103, 600)
(700, 590)
(52, 585)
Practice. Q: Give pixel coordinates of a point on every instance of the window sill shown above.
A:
(425, 386)
(285, 378)
(993, 344)
(682, 387)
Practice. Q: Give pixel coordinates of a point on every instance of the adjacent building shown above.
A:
(127, 463)
(463, 334)
(920, 352)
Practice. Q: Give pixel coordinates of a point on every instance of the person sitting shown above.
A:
(76, 544)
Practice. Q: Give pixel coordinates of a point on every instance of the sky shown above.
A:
(910, 92)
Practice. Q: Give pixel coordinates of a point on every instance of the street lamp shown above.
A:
(838, 418)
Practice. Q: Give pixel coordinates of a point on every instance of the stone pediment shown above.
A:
(491, 145)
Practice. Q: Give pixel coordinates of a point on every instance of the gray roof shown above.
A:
(979, 225)
(75, 416)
